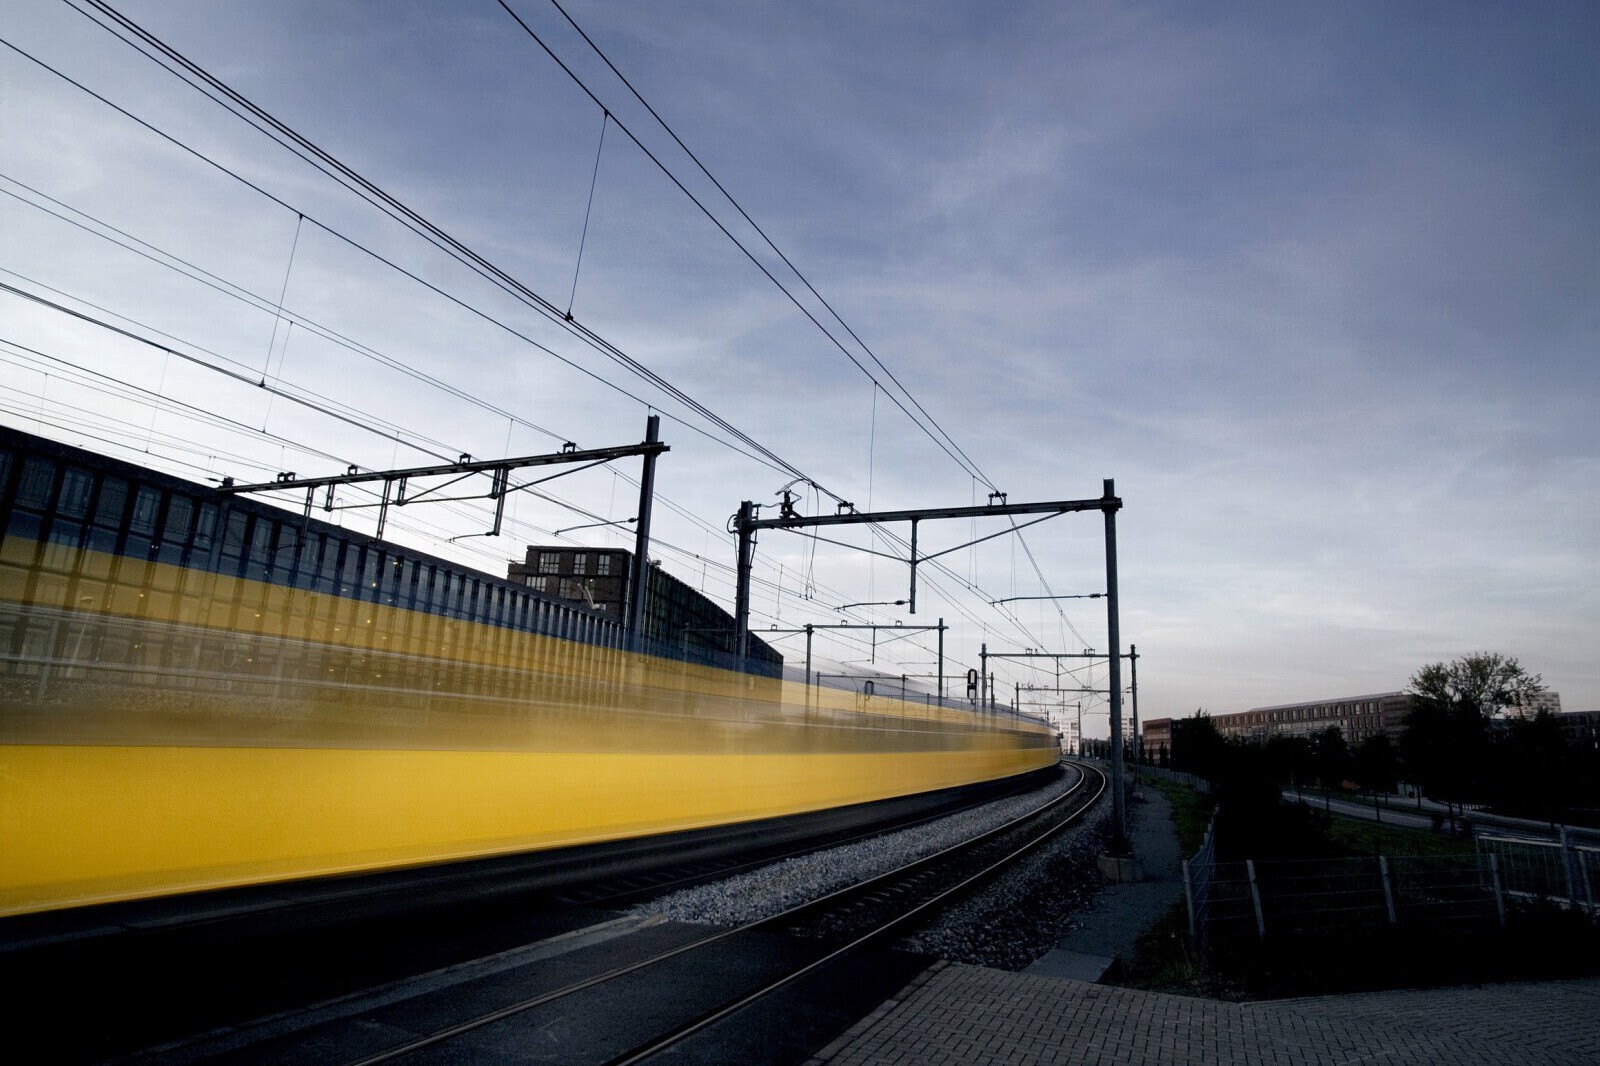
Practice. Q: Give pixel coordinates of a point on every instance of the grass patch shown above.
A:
(1163, 959)
(1542, 944)
(1191, 812)
(1551, 945)
(1357, 836)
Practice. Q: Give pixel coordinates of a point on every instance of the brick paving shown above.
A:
(956, 1013)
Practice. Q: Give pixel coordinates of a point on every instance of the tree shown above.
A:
(1446, 742)
(1484, 683)
(1330, 754)
(1377, 766)
(1536, 768)
(1291, 759)
(1197, 746)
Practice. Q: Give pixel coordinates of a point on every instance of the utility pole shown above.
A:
(745, 525)
(983, 676)
(1133, 686)
(640, 585)
(741, 608)
(1119, 812)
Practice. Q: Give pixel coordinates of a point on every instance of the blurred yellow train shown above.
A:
(199, 691)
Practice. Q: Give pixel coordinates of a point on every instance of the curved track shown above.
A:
(666, 990)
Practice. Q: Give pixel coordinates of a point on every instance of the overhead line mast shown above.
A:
(745, 525)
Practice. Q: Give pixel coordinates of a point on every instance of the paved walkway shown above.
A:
(969, 1014)
(1123, 912)
(1051, 1013)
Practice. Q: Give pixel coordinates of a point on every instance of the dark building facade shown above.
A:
(680, 622)
(1580, 729)
(1357, 717)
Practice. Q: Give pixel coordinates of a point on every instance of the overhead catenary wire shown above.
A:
(348, 240)
(380, 258)
(215, 89)
(171, 261)
(948, 448)
(964, 459)
(741, 443)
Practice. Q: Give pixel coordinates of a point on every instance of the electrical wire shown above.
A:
(347, 240)
(948, 449)
(964, 459)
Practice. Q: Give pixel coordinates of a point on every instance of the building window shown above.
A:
(580, 563)
(602, 565)
(549, 562)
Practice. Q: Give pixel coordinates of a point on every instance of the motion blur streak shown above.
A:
(198, 691)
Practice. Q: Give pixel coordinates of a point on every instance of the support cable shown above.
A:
(594, 179)
(964, 461)
(722, 227)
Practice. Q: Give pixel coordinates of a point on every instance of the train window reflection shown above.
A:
(61, 552)
(205, 527)
(146, 505)
(175, 532)
(311, 562)
(34, 489)
(76, 486)
(113, 501)
(261, 547)
(233, 540)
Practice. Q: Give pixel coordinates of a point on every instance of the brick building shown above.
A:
(679, 622)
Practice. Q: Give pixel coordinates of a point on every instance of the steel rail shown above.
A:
(709, 870)
(706, 1020)
(783, 917)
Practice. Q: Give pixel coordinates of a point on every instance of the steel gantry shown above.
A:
(808, 630)
(1132, 655)
(396, 483)
(745, 525)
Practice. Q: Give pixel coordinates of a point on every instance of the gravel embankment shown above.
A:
(1007, 924)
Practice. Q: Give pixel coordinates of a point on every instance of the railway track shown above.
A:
(164, 973)
(639, 989)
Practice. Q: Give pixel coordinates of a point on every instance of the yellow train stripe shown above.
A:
(86, 824)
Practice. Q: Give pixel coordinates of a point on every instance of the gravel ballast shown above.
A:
(1007, 923)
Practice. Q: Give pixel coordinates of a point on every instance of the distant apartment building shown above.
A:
(1357, 717)
(679, 621)
(595, 577)
(1544, 701)
(1157, 734)
(1580, 729)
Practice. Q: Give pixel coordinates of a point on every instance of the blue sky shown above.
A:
(1318, 286)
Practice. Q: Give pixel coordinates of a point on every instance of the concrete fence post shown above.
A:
(1188, 899)
(1583, 872)
(1499, 896)
(1388, 888)
(1567, 853)
(1255, 899)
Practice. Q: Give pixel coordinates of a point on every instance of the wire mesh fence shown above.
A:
(1566, 867)
(1199, 784)
(1332, 897)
